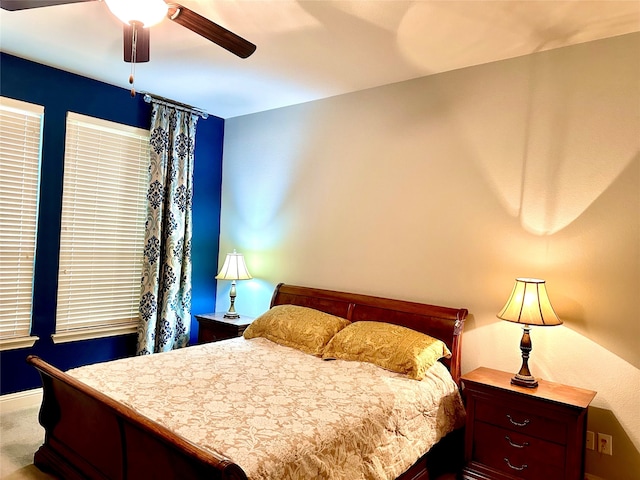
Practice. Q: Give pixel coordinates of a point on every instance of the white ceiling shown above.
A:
(307, 49)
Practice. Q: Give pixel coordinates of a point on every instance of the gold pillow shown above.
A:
(303, 328)
(389, 346)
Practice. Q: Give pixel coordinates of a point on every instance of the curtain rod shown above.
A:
(172, 103)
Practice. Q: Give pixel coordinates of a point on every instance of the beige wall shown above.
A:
(445, 188)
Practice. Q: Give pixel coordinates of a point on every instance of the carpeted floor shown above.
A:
(20, 437)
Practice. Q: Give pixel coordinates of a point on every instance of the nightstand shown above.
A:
(516, 432)
(213, 327)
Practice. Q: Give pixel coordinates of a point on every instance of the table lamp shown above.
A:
(529, 305)
(233, 269)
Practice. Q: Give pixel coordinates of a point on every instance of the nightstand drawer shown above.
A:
(521, 421)
(220, 332)
(519, 466)
(517, 454)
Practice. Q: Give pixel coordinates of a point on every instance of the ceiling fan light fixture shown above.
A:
(146, 12)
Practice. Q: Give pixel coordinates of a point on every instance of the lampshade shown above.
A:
(234, 268)
(147, 12)
(529, 304)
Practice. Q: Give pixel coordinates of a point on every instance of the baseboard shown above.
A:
(19, 400)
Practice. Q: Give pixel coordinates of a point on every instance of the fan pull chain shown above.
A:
(134, 40)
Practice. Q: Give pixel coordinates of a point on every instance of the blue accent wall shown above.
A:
(60, 92)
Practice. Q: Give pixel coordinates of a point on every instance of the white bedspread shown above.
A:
(283, 414)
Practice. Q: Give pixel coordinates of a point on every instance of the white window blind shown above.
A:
(103, 223)
(20, 150)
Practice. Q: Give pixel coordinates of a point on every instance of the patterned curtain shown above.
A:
(165, 297)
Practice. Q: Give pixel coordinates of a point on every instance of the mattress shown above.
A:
(282, 414)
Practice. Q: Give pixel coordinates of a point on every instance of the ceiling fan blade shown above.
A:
(142, 43)
(13, 5)
(211, 31)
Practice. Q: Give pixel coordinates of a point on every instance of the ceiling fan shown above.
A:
(138, 15)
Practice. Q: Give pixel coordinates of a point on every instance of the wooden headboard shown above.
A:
(440, 322)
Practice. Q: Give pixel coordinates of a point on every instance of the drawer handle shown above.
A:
(513, 467)
(525, 444)
(518, 424)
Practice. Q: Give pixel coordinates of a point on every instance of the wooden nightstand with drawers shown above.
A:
(213, 327)
(516, 432)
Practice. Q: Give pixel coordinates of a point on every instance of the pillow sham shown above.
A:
(303, 328)
(389, 346)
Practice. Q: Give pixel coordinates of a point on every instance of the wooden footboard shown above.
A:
(90, 436)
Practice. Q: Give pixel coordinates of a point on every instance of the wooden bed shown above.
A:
(90, 435)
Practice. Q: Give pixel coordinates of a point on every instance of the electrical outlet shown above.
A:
(605, 444)
(591, 440)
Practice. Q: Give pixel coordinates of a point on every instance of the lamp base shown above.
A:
(231, 313)
(524, 378)
(524, 381)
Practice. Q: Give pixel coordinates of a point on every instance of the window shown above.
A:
(103, 225)
(20, 151)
